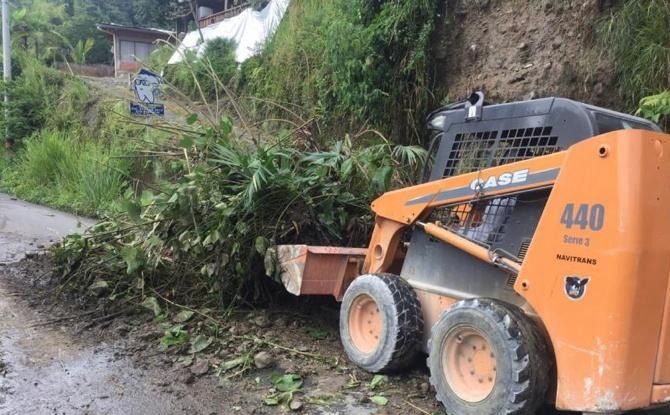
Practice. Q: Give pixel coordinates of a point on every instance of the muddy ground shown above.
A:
(60, 354)
(56, 360)
(515, 50)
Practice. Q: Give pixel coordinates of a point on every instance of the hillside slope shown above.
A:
(519, 50)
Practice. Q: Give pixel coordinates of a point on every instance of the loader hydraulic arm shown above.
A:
(399, 209)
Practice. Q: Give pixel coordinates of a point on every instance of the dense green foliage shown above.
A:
(83, 15)
(34, 93)
(200, 78)
(61, 170)
(53, 28)
(657, 109)
(144, 13)
(208, 230)
(350, 63)
(70, 148)
(636, 36)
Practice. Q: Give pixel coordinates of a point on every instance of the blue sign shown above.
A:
(146, 86)
(145, 110)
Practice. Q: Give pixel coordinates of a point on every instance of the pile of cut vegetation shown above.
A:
(201, 236)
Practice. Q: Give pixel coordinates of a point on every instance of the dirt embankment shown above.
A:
(522, 49)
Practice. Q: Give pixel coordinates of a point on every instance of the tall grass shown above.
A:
(347, 64)
(57, 168)
(47, 159)
(637, 36)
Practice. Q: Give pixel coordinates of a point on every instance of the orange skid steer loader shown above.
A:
(532, 264)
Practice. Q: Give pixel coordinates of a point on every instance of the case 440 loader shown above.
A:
(531, 265)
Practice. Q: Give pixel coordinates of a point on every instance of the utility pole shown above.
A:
(6, 61)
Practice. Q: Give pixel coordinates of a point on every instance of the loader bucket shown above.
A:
(318, 270)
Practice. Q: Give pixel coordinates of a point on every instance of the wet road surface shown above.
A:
(51, 369)
(26, 228)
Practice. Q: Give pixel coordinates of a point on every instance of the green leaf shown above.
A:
(271, 401)
(134, 258)
(377, 380)
(226, 126)
(231, 364)
(133, 209)
(382, 178)
(379, 400)
(287, 383)
(346, 169)
(186, 142)
(19, 14)
(152, 304)
(192, 119)
(183, 316)
(147, 197)
(262, 245)
(200, 343)
(175, 336)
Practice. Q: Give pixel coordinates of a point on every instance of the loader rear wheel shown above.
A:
(381, 324)
(487, 358)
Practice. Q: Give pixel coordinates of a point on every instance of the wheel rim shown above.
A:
(365, 324)
(469, 364)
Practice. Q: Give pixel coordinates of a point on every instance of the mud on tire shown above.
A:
(394, 341)
(521, 357)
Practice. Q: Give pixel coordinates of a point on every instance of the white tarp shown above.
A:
(249, 29)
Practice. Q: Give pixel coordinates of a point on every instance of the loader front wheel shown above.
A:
(381, 324)
(487, 358)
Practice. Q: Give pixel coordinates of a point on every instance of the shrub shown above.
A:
(217, 66)
(57, 168)
(159, 58)
(656, 108)
(101, 177)
(183, 75)
(204, 77)
(32, 94)
(48, 159)
(209, 229)
(69, 110)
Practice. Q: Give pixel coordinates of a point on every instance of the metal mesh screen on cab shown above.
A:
(479, 150)
(485, 221)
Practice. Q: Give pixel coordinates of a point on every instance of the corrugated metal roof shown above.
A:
(114, 27)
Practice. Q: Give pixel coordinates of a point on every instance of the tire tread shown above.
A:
(529, 351)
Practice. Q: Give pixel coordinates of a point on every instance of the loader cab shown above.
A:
(471, 136)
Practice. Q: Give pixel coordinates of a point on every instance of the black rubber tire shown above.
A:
(523, 363)
(402, 322)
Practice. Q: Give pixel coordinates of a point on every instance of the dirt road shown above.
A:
(52, 364)
(48, 368)
(26, 228)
